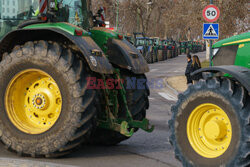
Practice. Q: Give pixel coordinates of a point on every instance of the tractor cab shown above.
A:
(232, 51)
(163, 44)
(183, 44)
(140, 41)
(150, 41)
(10, 19)
(156, 41)
(28, 10)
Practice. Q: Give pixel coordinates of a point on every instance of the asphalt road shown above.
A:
(142, 149)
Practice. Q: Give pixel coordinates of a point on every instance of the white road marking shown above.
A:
(153, 70)
(151, 98)
(167, 96)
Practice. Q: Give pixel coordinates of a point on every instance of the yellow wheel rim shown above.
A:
(33, 101)
(209, 130)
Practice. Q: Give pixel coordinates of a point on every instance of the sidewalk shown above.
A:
(8, 162)
(179, 83)
(172, 72)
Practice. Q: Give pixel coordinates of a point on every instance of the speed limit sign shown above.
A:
(211, 13)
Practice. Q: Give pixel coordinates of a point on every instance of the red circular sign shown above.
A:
(211, 13)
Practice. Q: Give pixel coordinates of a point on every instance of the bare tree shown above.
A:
(174, 18)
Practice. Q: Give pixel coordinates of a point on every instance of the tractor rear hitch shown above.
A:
(126, 126)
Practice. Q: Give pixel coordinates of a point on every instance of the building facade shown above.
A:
(9, 9)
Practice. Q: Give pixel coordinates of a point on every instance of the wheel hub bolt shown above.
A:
(39, 101)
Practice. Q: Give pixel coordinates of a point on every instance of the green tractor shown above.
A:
(197, 47)
(144, 46)
(164, 48)
(155, 48)
(210, 124)
(61, 86)
(190, 47)
(182, 47)
(161, 48)
(171, 48)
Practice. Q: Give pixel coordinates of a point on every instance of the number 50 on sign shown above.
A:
(211, 13)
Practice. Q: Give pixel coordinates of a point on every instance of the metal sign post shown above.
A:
(210, 45)
(211, 13)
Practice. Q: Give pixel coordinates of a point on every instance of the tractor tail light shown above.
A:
(44, 18)
(78, 32)
(120, 36)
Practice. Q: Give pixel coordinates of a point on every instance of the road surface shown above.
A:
(143, 149)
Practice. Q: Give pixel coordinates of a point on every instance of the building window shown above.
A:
(3, 10)
(8, 10)
(14, 3)
(8, 2)
(3, 2)
(14, 10)
(14, 17)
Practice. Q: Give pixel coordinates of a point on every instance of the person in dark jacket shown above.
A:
(196, 65)
(188, 69)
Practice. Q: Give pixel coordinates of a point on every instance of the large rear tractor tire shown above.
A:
(210, 124)
(138, 103)
(179, 51)
(148, 58)
(160, 55)
(155, 54)
(165, 54)
(46, 108)
(169, 54)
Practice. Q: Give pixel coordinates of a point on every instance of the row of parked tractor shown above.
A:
(155, 49)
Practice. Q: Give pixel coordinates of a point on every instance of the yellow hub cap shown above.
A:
(33, 101)
(209, 130)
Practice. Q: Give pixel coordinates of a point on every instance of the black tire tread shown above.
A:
(240, 98)
(77, 128)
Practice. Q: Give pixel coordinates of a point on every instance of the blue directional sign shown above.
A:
(210, 31)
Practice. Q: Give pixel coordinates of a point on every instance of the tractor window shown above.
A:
(71, 12)
(150, 42)
(12, 15)
(140, 42)
(225, 55)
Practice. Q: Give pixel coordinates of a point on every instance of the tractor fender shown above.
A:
(125, 55)
(90, 51)
(241, 74)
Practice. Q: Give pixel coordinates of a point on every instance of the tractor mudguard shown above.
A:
(91, 52)
(241, 74)
(125, 55)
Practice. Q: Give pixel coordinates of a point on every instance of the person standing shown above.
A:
(196, 65)
(188, 69)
